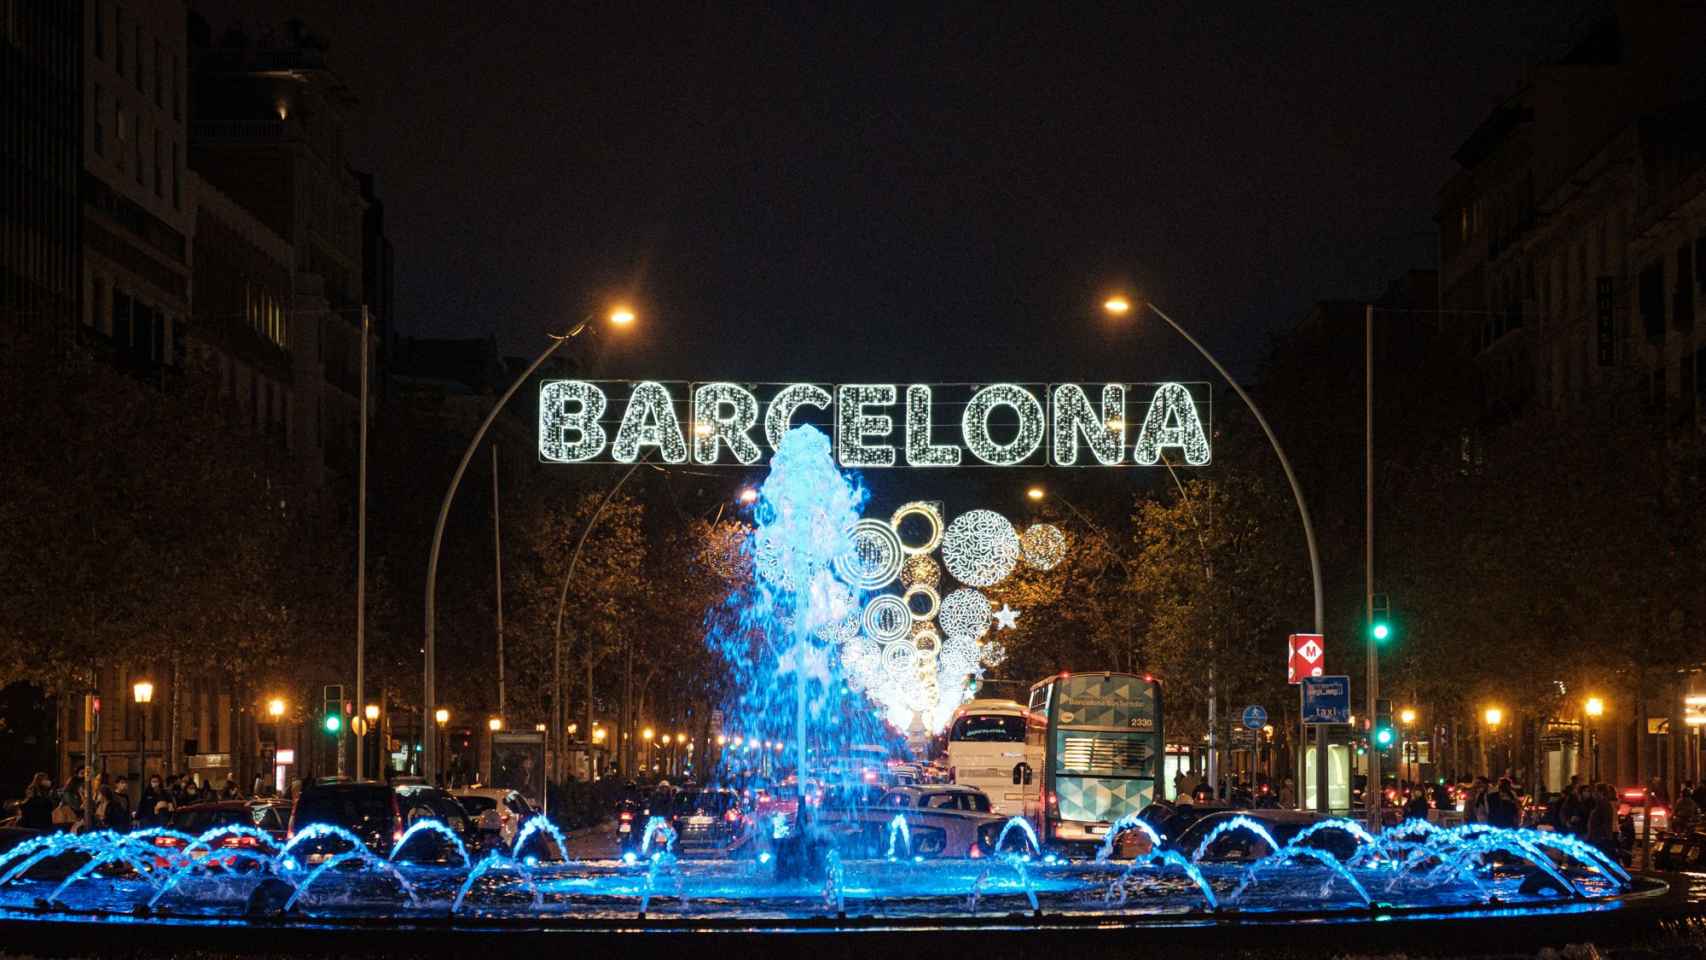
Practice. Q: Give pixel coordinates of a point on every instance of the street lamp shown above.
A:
(1595, 708)
(1407, 716)
(1035, 493)
(495, 724)
(1118, 305)
(620, 316)
(748, 495)
(275, 709)
(1493, 716)
(143, 692)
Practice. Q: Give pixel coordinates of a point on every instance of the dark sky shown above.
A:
(908, 195)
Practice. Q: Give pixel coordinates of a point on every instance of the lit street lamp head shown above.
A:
(1595, 707)
(1408, 716)
(495, 724)
(275, 707)
(748, 495)
(1117, 305)
(143, 691)
(622, 316)
(1036, 493)
(372, 712)
(1494, 716)
(441, 716)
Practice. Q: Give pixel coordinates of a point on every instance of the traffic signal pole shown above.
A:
(1371, 794)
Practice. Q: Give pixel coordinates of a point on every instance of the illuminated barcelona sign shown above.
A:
(878, 424)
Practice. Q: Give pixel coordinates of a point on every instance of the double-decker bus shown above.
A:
(1102, 752)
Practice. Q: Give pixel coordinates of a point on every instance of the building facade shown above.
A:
(41, 164)
(138, 219)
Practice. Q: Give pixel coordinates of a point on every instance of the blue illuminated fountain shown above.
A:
(797, 864)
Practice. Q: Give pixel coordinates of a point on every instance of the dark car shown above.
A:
(379, 814)
(706, 821)
(368, 809)
(1247, 846)
(270, 816)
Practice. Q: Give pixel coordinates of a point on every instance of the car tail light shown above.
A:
(1635, 794)
(170, 842)
(733, 816)
(976, 852)
(625, 815)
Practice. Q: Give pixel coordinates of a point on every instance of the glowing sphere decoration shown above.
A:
(887, 618)
(875, 556)
(962, 648)
(920, 568)
(900, 660)
(965, 613)
(844, 630)
(1044, 545)
(932, 516)
(927, 640)
(980, 548)
(922, 601)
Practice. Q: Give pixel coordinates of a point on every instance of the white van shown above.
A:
(987, 750)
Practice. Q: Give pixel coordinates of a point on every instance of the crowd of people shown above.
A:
(106, 803)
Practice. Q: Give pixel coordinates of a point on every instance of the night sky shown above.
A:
(907, 195)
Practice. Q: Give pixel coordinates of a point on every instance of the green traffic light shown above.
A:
(1382, 631)
(333, 723)
(1383, 736)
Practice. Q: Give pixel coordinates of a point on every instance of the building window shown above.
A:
(100, 121)
(137, 140)
(121, 129)
(137, 59)
(172, 89)
(118, 40)
(177, 180)
(159, 175)
(100, 29)
(159, 86)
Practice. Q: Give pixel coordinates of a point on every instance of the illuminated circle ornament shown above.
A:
(932, 515)
(922, 601)
(900, 660)
(927, 640)
(862, 655)
(845, 630)
(1044, 545)
(921, 569)
(980, 548)
(887, 618)
(875, 558)
(963, 648)
(965, 613)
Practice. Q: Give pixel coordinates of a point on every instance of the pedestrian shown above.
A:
(1602, 820)
(1683, 815)
(1476, 802)
(1417, 807)
(36, 812)
(1503, 807)
(1657, 794)
(69, 814)
(1181, 785)
(153, 802)
(1288, 794)
(113, 813)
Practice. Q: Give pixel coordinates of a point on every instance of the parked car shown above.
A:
(378, 814)
(708, 822)
(498, 813)
(1247, 846)
(946, 820)
(271, 816)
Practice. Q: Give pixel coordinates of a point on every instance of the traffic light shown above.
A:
(1384, 735)
(332, 709)
(1380, 623)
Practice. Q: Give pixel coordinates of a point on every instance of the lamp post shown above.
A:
(1594, 708)
(441, 717)
(620, 317)
(1407, 717)
(1120, 306)
(143, 692)
(1492, 717)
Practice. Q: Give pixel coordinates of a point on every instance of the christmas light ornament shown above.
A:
(964, 613)
(980, 548)
(887, 618)
(569, 430)
(1006, 618)
(1172, 421)
(790, 398)
(649, 421)
(921, 569)
(1044, 545)
(875, 558)
(723, 413)
(899, 660)
(843, 631)
(974, 424)
(927, 640)
(932, 515)
(1104, 432)
(920, 452)
(922, 601)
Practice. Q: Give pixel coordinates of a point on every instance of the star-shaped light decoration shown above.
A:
(1006, 618)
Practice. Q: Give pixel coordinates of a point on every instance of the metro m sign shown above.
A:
(1307, 655)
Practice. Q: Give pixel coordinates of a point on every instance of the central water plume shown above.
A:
(778, 633)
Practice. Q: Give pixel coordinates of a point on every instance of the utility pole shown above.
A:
(1371, 794)
(498, 560)
(361, 566)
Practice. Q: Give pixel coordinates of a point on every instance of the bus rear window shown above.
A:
(988, 729)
